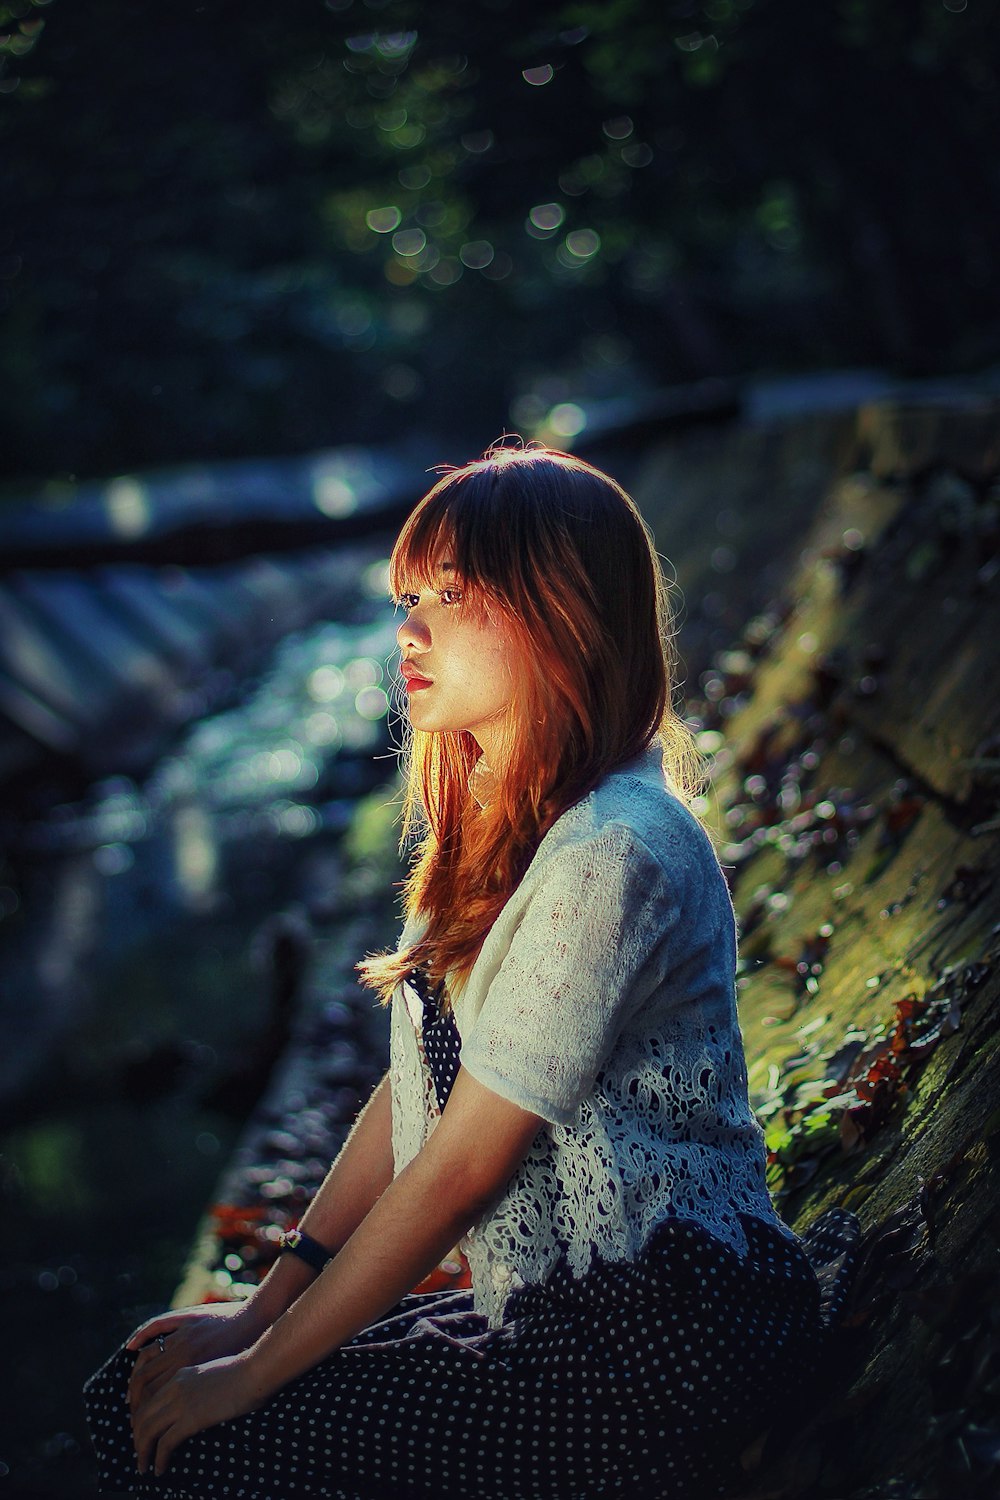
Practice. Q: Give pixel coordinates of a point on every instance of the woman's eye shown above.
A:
(410, 601)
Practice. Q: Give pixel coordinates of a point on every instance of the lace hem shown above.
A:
(573, 1202)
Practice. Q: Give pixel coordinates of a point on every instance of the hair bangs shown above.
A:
(458, 524)
(421, 546)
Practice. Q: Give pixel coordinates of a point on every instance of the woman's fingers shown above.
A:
(194, 1335)
(167, 1323)
(144, 1436)
(183, 1402)
(137, 1382)
(165, 1447)
(153, 1365)
(167, 1344)
(153, 1327)
(154, 1382)
(156, 1430)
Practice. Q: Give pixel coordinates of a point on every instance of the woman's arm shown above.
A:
(361, 1172)
(355, 1182)
(471, 1155)
(475, 1148)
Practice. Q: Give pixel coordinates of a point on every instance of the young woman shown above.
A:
(566, 1091)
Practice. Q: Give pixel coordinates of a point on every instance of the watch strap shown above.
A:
(297, 1242)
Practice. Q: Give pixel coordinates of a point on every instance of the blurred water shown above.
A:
(212, 830)
(138, 1005)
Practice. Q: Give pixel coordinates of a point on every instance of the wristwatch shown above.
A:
(297, 1242)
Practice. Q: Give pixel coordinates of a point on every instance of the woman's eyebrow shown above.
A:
(443, 573)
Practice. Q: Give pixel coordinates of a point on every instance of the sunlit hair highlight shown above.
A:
(557, 551)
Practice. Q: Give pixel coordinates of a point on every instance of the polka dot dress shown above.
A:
(646, 1379)
(442, 1043)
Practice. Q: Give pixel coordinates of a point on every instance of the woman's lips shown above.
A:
(412, 678)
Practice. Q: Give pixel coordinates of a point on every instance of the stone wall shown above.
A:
(841, 620)
(855, 721)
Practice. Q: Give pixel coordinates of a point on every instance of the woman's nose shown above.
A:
(413, 633)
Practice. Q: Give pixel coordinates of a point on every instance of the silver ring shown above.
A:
(161, 1339)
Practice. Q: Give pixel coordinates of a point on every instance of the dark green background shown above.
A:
(186, 271)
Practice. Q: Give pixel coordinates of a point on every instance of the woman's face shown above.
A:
(455, 663)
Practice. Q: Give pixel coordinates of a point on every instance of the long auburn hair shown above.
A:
(557, 551)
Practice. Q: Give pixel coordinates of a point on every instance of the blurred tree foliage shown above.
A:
(237, 227)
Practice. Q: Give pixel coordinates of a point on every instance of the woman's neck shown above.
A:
(482, 782)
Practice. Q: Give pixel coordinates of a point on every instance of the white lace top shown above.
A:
(603, 1000)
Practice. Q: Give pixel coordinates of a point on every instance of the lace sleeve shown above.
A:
(591, 945)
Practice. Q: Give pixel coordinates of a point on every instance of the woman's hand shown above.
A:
(191, 1336)
(187, 1401)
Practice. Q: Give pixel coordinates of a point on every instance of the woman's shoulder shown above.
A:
(635, 801)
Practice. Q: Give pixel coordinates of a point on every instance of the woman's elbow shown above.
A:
(469, 1187)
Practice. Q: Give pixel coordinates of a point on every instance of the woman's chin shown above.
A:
(421, 718)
